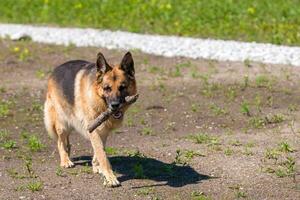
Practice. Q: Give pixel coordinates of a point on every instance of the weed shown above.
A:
(228, 151)
(86, 170)
(4, 135)
(2, 89)
(194, 107)
(258, 102)
(257, 122)
(236, 143)
(203, 138)
(245, 108)
(240, 194)
(134, 153)
(111, 150)
(262, 81)
(179, 159)
(37, 106)
(35, 144)
(147, 131)
(270, 101)
(199, 196)
(40, 74)
(209, 89)
(4, 108)
(156, 70)
(145, 191)
(129, 121)
(285, 147)
(272, 154)
(59, 172)
(218, 110)
(276, 118)
(246, 82)
(35, 186)
(231, 93)
(292, 107)
(248, 152)
(9, 144)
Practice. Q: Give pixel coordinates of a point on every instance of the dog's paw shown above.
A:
(67, 164)
(111, 181)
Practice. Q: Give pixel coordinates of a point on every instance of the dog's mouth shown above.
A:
(117, 115)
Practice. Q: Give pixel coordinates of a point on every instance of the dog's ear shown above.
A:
(102, 66)
(127, 65)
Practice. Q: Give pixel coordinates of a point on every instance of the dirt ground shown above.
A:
(200, 130)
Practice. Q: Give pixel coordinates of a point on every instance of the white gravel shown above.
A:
(168, 46)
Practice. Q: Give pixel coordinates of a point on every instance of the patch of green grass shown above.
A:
(285, 147)
(246, 82)
(9, 144)
(240, 194)
(134, 153)
(194, 107)
(40, 74)
(155, 70)
(2, 89)
(4, 108)
(210, 89)
(184, 157)
(195, 195)
(231, 93)
(147, 131)
(86, 170)
(262, 81)
(34, 143)
(228, 151)
(111, 150)
(236, 143)
(4, 135)
(249, 20)
(260, 122)
(245, 108)
(293, 107)
(35, 186)
(272, 154)
(59, 172)
(145, 191)
(204, 138)
(276, 118)
(247, 152)
(218, 110)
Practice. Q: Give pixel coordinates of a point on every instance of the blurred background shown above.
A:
(275, 21)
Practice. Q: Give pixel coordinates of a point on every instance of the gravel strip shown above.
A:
(168, 46)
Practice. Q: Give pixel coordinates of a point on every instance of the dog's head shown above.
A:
(116, 82)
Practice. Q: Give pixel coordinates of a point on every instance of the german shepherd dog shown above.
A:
(78, 91)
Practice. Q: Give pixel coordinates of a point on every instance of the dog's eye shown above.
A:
(107, 89)
(122, 87)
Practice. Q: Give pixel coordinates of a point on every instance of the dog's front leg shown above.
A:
(103, 162)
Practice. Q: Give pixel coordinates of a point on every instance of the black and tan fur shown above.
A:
(78, 91)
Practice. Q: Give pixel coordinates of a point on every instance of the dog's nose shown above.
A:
(114, 105)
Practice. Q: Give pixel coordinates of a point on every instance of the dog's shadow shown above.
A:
(148, 168)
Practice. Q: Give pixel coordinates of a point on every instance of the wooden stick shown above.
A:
(105, 115)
